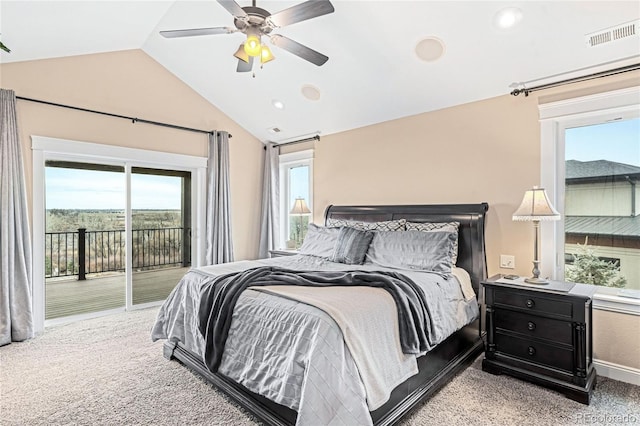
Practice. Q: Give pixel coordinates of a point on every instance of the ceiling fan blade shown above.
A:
(300, 50)
(196, 32)
(245, 66)
(233, 8)
(301, 12)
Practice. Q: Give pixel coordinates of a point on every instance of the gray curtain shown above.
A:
(16, 315)
(218, 219)
(270, 217)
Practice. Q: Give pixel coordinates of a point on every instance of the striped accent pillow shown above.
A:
(352, 246)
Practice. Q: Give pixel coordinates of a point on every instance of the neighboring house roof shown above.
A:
(598, 170)
(603, 225)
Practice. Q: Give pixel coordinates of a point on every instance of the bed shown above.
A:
(280, 399)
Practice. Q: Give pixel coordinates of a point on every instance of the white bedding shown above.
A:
(285, 350)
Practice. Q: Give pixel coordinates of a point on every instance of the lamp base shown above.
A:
(536, 280)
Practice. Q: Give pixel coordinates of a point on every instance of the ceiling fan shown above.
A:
(256, 23)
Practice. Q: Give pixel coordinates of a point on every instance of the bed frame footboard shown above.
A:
(437, 368)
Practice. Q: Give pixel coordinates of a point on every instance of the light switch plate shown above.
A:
(507, 261)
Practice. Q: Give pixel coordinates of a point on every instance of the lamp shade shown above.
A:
(266, 55)
(300, 207)
(536, 206)
(241, 54)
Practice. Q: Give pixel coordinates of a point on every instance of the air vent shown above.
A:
(274, 130)
(630, 29)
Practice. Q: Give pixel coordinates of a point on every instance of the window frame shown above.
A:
(286, 162)
(555, 118)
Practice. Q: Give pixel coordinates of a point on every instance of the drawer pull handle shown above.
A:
(531, 326)
(530, 303)
(531, 350)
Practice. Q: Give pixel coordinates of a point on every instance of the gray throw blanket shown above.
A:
(219, 297)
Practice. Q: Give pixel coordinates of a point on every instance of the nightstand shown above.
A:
(540, 333)
(280, 253)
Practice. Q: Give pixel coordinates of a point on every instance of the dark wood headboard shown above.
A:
(471, 248)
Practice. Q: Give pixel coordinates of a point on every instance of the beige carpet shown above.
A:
(106, 371)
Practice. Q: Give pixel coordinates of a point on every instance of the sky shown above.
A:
(617, 141)
(98, 190)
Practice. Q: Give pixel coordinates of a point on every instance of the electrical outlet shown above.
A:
(507, 261)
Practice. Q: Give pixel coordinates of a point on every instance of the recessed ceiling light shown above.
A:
(430, 49)
(277, 104)
(507, 18)
(310, 92)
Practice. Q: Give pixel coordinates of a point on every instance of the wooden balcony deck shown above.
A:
(67, 296)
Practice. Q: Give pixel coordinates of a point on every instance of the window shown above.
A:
(590, 168)
(296, 184)
(602, 219)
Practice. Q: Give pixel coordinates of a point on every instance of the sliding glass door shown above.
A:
(160, 231)
(88, 235)
(85, 242)
(114, 228)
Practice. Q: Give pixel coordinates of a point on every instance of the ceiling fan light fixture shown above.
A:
(241, 54)
(252, 46)
(265, 54)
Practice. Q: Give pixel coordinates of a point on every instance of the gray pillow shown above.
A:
(352, 246)
(427, 251)
(319, 241)
(434, 226)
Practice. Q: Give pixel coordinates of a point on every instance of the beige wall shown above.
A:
(482, 151)
(615, 338)
(131, 83)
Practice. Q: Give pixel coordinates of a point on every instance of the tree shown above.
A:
(588, 268)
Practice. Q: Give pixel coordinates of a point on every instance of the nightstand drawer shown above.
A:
(530, 302)
(534, 326)
(534, 351)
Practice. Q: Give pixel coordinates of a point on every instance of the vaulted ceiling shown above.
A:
(373, 74)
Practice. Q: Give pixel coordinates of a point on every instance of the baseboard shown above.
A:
(617, 372)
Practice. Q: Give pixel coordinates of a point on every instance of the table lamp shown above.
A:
(299, 208)
(536, 207)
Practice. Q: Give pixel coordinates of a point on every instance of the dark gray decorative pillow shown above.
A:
(438, 226)
(426, 251)
(352, 246)
(319, 241)
(388, 225)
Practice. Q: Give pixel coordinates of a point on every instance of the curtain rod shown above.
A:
(600, 74)
(132, 119)
(312, 138)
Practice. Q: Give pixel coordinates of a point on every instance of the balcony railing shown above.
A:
(90, 252)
